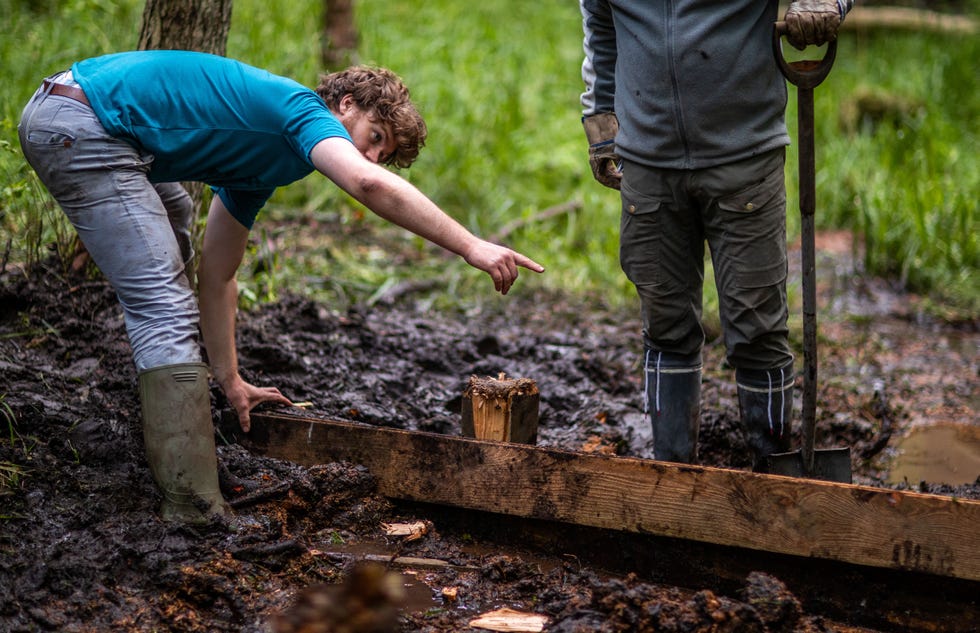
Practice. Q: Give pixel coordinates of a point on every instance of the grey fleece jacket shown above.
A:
(693, 82)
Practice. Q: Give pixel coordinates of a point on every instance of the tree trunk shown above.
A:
(193, 25)
(338, 47)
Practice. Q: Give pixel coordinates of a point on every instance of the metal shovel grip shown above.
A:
(805, 73)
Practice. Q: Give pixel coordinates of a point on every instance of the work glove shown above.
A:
(814, 22)
(600, 130)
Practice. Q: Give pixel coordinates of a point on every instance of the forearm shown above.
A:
(398, 201)
(221, 254)
(219, 302)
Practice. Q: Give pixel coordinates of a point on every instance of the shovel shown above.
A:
(832, 464)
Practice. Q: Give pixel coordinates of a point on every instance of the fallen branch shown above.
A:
(260, 495)
(904, 18)
(545, 214)
(263, 551)
(389, 294)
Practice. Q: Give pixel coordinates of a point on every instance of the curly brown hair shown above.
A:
(381, 92)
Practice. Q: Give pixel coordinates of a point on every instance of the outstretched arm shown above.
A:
(398, 201)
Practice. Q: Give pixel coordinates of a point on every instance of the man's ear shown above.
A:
(346, 103)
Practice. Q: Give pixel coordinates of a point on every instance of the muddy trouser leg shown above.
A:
(765, 399)
(101, 184)
(673, 398)
(180, 212)
(746, 228)
(662, 253)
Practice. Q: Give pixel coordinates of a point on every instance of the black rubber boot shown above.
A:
(179, 438)
(765, 398)
(673, 398)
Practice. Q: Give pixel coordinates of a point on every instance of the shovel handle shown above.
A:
(805, 73)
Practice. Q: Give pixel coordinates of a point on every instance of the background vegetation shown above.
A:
(499, 83)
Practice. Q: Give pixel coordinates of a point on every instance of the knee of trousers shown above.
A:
(671, 325)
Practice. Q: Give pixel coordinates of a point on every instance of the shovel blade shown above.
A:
(829, 464)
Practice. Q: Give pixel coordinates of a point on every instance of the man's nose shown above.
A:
(373, 155)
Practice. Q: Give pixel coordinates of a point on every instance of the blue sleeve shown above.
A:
(243, 204)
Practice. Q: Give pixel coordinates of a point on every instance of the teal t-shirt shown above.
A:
(210, 119)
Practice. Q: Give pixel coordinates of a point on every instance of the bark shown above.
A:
(197, 25)
(339, 44)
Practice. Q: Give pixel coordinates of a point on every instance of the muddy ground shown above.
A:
(82, 549)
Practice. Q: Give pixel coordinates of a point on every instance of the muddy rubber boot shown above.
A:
(673, 399)
(765, 399)
(179, 440)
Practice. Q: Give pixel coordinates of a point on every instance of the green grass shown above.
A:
(11, 474)
(499, 83)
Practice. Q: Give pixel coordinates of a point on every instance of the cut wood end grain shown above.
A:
(501, 409)
(500, 388)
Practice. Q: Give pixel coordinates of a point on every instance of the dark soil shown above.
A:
(82, 548)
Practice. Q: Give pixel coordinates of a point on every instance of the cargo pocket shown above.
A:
(755, 235)
(641, 235)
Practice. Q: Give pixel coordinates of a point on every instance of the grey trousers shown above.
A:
(137, 232)
(739, 209)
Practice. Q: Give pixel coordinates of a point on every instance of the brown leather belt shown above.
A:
(72, 92)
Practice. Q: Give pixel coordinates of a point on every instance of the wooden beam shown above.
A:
(855, 524)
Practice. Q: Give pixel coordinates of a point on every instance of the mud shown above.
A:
(82, 549)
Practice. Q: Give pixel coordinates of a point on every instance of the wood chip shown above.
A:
(510, 620)
(412, 531)
(450, 593)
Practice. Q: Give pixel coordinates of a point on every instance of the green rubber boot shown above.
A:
(179, 439)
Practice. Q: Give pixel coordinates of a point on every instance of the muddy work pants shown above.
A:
(739, 210)
(137, 232)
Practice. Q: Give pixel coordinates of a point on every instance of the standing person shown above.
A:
(684, 112)
(112, 137)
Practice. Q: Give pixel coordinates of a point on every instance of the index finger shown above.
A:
(527, 262)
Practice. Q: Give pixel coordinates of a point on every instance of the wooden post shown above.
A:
(501, 409)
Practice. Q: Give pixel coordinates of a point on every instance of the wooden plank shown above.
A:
(855, 524)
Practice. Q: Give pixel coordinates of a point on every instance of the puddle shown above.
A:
(418, 594)
(941, 454)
